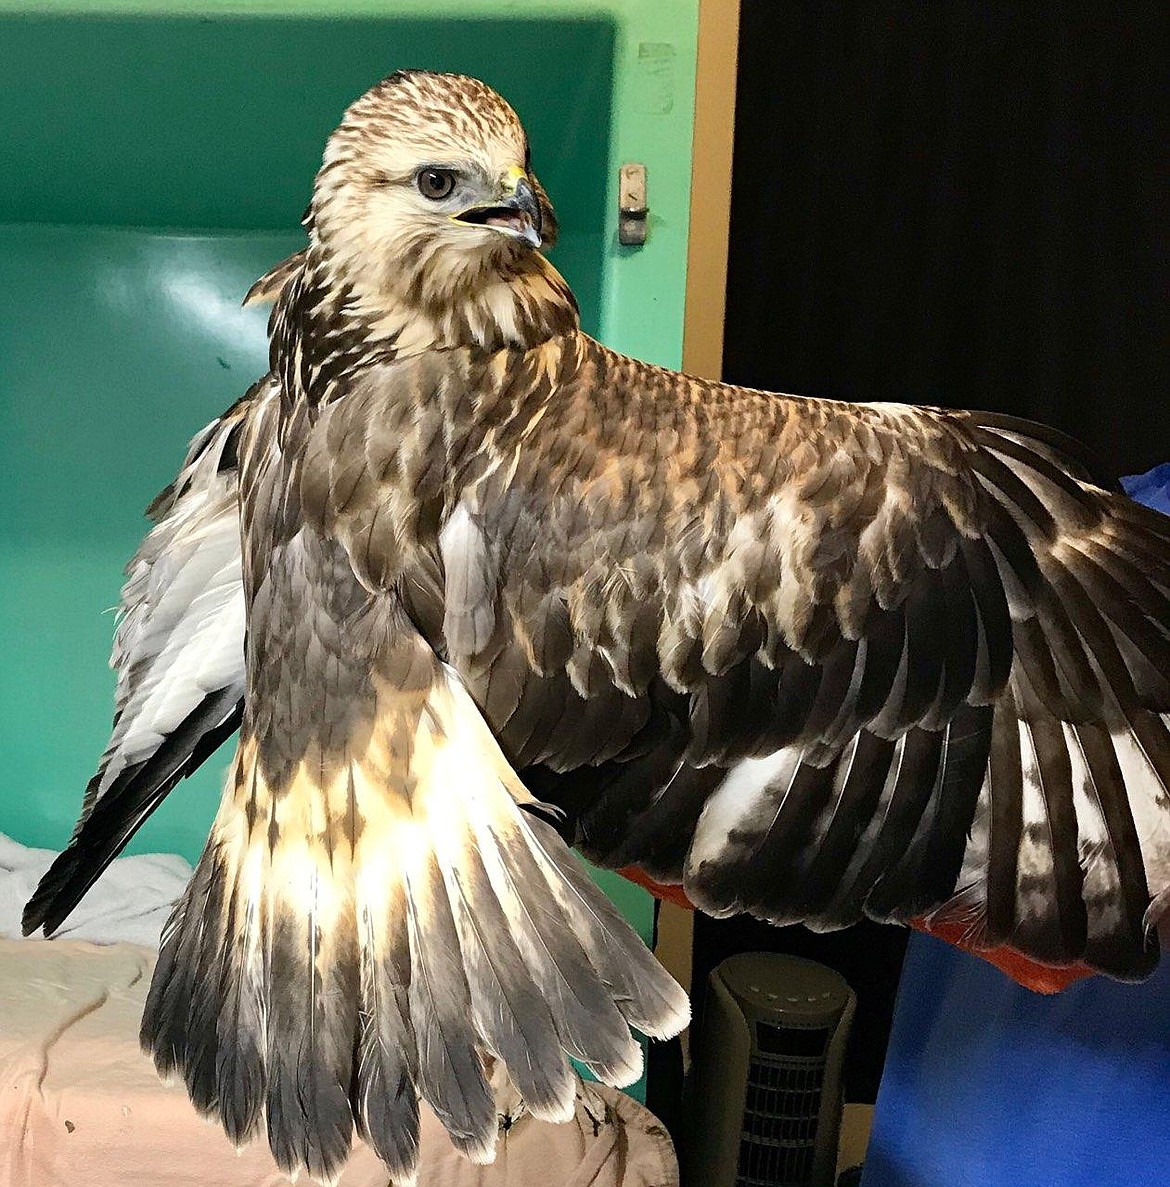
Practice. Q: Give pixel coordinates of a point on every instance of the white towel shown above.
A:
(129, 903)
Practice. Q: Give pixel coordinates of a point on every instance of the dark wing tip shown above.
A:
(52, 901)
(1074, 456)
(118, 814)
(33, 916)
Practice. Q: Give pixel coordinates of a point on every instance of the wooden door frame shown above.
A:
(710, 187)
(714, 134)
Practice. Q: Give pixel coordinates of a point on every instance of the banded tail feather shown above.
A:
(363, 934)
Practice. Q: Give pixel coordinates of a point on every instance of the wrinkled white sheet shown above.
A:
(80, 1103)
(129, 903)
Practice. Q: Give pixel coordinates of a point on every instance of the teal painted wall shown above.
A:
(157, 158)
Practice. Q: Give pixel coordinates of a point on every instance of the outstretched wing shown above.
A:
(179, 655)
(812, 659)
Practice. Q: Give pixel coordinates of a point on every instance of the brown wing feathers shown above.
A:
(884, 571)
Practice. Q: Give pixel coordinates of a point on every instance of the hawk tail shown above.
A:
(361, 933)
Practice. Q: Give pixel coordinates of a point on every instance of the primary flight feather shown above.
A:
(466, 574)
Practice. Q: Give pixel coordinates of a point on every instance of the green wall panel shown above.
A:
(116, 344)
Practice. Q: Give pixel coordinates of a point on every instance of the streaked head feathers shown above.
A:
(426, 189)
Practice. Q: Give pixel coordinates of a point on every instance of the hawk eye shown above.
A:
(435, 184)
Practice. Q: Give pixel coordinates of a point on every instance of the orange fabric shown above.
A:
(1040, 978)
(668, 894)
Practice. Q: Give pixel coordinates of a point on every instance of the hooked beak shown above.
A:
(517, 214)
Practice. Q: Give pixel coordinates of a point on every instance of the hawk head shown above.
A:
(426, 190)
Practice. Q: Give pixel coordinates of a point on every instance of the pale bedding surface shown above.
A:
(81, 1106)
(130, 902)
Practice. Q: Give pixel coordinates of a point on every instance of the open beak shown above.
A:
(517, 214)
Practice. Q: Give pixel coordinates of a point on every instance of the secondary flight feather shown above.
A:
(812, 660)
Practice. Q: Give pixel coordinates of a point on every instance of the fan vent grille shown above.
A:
(777, 1145)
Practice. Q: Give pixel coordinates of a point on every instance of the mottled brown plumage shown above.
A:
(813, 660)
